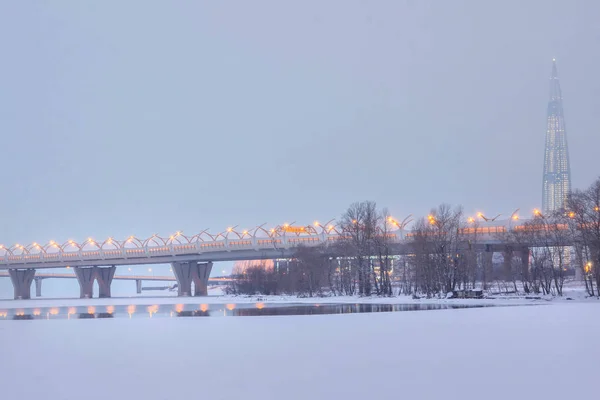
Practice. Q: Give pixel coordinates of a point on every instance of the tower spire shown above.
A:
(555, 93)
(557, 169)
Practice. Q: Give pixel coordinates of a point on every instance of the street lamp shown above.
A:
(400, 224)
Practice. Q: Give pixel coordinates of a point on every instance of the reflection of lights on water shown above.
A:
(204, 307)
(179, 307)
(260, 306)
(91, 310)
(130, 310)
(37, 312)
(152, 310)
(110, 309)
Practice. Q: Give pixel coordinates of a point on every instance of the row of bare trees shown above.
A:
(445, 255)
(359, 263)
(584, 213)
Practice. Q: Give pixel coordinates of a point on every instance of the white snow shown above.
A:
(216, 296)
(530, 352)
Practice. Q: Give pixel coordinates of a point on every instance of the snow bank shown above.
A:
(500, 353)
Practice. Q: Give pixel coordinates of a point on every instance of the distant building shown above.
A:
(557, 169)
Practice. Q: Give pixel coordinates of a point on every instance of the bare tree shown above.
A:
(359, 227)
(584, 211)
(311, 266)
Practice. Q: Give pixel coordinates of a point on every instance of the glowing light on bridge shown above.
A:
(230, 307)
(204, 307)
(54, 311)
(130, 310)
(260, 306)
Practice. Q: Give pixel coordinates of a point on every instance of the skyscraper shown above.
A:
(557, 169)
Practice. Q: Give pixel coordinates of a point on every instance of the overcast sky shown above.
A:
(142, 117)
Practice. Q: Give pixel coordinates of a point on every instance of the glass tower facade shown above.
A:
(557, 169)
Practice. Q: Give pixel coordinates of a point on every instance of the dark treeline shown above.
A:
(443, 258)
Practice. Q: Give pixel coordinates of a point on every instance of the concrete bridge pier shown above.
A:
(507, 264)
(85, 277)
(487, 261)
(38, 286)
(104, 276)
(21, 280)
(524, 256)
(184, 274)
(200, 275)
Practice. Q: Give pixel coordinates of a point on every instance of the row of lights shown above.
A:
(329, 228)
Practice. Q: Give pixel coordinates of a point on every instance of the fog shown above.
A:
(152, 117)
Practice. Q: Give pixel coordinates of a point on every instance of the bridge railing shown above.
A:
(150, 250)
(179, 244)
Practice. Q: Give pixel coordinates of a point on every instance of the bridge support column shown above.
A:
(200, 275)
(523, 255)
(487, 261)
(104, 276)
(183, 273)
(38, 286)
(85, 277)
(507, 265)
(138, 286)
(21, 280)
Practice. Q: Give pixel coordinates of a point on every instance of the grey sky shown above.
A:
(142, 117)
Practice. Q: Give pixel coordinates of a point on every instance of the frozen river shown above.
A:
(210, 310)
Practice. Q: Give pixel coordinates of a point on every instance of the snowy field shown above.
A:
(216, 296)
(547, 352)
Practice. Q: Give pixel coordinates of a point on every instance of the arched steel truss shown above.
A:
(231, 238)
(260, 237)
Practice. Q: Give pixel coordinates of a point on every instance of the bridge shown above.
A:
(192, 257)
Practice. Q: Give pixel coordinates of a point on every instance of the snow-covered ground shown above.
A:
(216, 296)
(547, 352)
